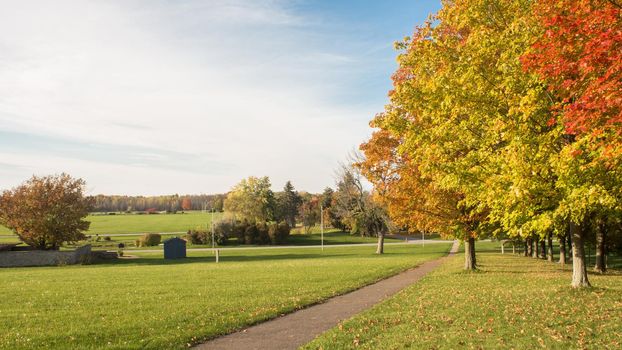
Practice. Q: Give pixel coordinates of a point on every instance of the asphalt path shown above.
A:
(298, 328)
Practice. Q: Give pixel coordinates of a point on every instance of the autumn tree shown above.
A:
(46, 211)
(356, 207)
(251, 200)
(330, 215)
(467, 129)
(309, 212)
(186, 204)
(579, 57)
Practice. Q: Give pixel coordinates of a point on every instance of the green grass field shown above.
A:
(132, 223)
(513, 302)
(331, 237)
(105, 225)
(155, 304)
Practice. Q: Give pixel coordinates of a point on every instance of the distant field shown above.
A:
(150, 303)
(132, 223)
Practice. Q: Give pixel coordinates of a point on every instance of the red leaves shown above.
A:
(580, 56)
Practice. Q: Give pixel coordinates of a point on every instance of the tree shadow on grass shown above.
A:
(211, 259)
(224, 258)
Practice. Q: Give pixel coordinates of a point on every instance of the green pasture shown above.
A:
(512, 302)
(149, 303)
(134, 223)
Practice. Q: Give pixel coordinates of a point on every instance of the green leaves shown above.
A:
(252, 200)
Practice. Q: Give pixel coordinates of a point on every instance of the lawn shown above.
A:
(512, 302)
(133, 223)
(156, 304)
(333, 237)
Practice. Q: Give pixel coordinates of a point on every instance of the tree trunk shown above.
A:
(469, 254)
(542, 248)
(562, 250)
(534, 248)
(579, 269)
(529, 247)
(526, 251)
(473, 256)
(569, 242)
(380, 247)
(549, 247)
(601, 264)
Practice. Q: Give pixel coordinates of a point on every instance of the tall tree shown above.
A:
(288, 204)
(46, 211)
(309, 212)
(186, 204)
(251, 200)
(356, 208)
(579, 56)
(331, 217)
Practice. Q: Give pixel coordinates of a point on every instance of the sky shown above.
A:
(188, 97)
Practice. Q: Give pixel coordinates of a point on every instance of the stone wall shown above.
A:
(45, 257)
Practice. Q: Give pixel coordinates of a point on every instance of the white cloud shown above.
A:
(249, 82)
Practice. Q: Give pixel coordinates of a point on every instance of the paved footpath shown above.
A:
(298, 328)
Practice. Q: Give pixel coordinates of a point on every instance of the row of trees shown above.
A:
(169, 203)
(349, 208)
(504, 120)
(48, 211)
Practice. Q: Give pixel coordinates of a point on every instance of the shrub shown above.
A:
(282, 232)
(205, 237)
(149, 240)
(273, 228)
(238, 231)
(223, 229)
(197, 237)
(262, 233)
(251, 234)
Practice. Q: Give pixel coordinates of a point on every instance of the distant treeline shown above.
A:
(170, 203)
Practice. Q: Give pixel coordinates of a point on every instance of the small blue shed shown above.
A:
(174, 248)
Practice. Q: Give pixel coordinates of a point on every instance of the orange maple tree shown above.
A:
(46, 211)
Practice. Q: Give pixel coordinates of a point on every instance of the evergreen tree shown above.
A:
(288, 204)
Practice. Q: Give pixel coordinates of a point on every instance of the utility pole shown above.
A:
(212, 222)
(322, 224)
